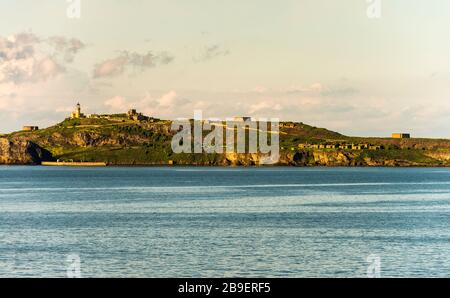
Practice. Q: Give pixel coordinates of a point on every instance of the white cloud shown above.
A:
(316, 87)
(110, 67)
(26, 58)
(68, 47)
(42, 103)
(118, 65)
(117, 104)
(32, 89)
(264, 107)
(46, 68)
(168, 105)
(168, 99)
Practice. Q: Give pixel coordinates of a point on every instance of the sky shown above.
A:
(359, 67)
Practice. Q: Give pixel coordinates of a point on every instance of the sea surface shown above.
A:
(224, 222)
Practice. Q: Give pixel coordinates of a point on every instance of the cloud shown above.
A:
(264, 107)
(118, 65)
(346, 91)
(168, 105)
(168, 100)
(45, 102)
(316, 87)
(313, 90)
(46, 68)
(211, 52)
(25, 58)
(117, 104)
(111, 67)
(69, 47)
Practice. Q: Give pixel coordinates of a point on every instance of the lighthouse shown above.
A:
(77, 113)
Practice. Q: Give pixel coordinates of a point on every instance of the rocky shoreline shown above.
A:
(29, 153)
(22, 153)
(119, 142)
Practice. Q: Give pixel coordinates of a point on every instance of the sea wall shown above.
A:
(73, 164)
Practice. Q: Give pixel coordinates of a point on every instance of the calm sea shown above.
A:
(224, 222)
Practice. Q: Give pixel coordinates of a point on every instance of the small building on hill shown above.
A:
(399, 135)
(30, 128)
(134, 115)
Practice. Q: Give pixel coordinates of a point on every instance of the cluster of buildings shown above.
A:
(341, 146)
(130, 115)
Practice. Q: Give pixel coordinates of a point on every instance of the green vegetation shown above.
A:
(117, 140)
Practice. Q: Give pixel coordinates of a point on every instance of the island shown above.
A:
(132, 139)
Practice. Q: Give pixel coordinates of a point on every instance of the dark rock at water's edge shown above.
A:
(22, 152)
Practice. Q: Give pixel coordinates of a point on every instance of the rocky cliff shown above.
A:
(311, 158)
(22, 152)
(304, 158)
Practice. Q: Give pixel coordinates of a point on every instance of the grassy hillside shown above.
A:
(120, 141)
